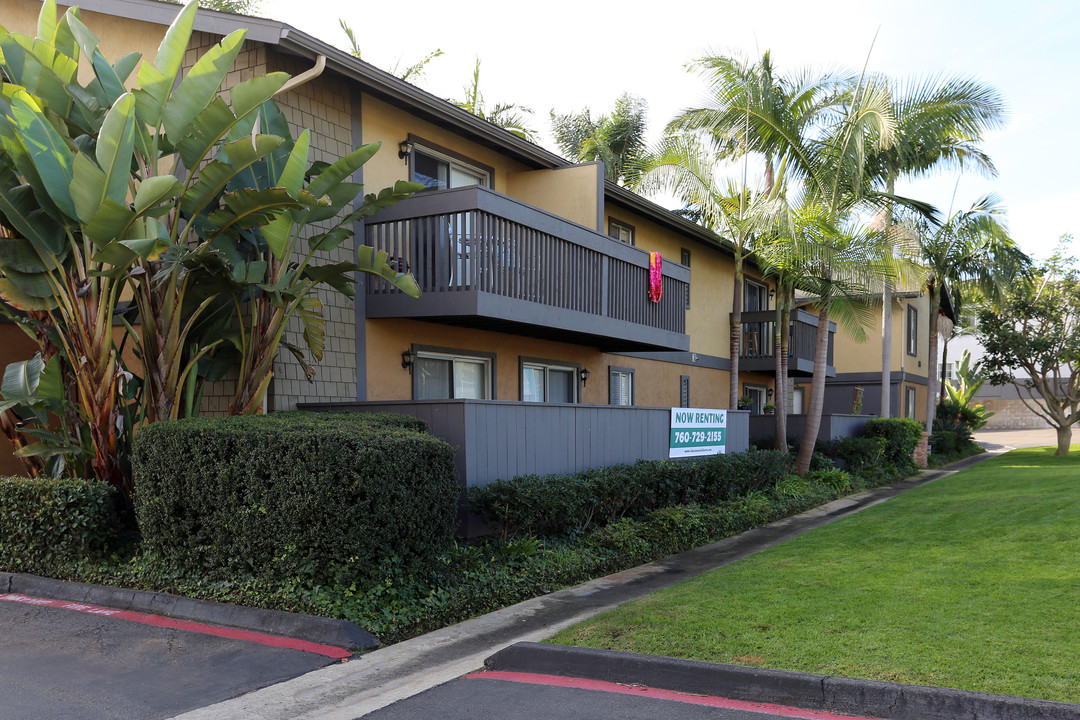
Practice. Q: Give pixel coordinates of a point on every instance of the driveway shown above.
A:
(1008, 439)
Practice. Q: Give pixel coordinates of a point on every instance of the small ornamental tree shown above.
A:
(1036, 329)
(175, 207)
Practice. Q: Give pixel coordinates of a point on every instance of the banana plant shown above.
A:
(155, 205)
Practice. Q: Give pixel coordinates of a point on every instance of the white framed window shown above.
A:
(620, 231)
(549, 381)
(620, 386)
(441, 169)
(909, 402)
(446, 374)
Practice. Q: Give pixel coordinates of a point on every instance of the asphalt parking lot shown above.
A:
(85, 665)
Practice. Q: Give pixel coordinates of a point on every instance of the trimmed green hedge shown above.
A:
(901, 435)
(559, 504)
(322, 497)
(49, 522)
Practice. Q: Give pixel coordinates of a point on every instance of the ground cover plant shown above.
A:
(967, 582)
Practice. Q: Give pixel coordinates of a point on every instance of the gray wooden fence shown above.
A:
(833, 426)
(501, 439)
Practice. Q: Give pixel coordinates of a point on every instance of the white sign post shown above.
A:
(696, 432)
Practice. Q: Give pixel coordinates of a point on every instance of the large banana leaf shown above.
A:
(19, 209)
(200, 85)
(51, 156)
(156, 79)
(213, 178)
(115, 144)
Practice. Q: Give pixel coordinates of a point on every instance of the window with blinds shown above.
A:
(620, 386)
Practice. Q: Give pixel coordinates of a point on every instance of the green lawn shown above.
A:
(970, 582)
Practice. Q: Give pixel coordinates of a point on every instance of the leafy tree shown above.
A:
(509, 116)
(97, 226)
(972, 246)
(410, 73)
(616, 139)
(1036, 328)
(939, 123)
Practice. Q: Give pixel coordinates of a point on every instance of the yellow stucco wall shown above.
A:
(389, 125)
(851, 356)
(656, 383)
(119, 36)
(570, 192)
(712, 279)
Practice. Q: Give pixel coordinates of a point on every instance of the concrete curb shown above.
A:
(805, 690)
(327, 631)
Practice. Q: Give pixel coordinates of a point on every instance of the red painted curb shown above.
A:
(657, 694)
(167, 622)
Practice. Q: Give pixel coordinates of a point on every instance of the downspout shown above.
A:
(291, 84)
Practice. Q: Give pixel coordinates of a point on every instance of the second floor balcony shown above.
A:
(487, 261)
(758, 352)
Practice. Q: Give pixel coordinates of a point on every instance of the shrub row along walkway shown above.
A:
(379, 678)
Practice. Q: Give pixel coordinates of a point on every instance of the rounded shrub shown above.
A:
(325, 497)
(45, 522)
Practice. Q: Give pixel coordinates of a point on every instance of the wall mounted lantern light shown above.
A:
(405, 148)
(768, 392)
(585, 376)
(407, 359)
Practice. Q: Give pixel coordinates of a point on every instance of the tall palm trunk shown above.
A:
(779, 438)
(931, 361)
(886, 350)
(817, 394)
(944, 364)
(886, 316)
(736, 331)
(783, 404)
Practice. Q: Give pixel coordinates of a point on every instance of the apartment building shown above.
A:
(541, 341)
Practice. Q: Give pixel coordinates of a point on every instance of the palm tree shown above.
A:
(508, 116)
(970, 246)
(848, 259)
(617, 139)
(939, 122)
(754, 110)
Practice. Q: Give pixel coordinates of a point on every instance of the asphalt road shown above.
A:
(477, 698)
(57, 663)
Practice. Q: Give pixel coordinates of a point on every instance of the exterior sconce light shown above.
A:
(772, 292)
(405, 148)
(585, 376)
(407, 359)
(768, 392)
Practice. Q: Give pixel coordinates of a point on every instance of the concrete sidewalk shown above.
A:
(376, 679)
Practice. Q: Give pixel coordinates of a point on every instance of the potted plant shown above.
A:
(770, 408)
(745, 403)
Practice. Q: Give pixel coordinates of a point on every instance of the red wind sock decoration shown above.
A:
(656, 277)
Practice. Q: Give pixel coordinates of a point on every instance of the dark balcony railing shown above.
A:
(468, 245)
(758, 351)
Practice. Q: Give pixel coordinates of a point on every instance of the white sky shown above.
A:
(569, 55)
